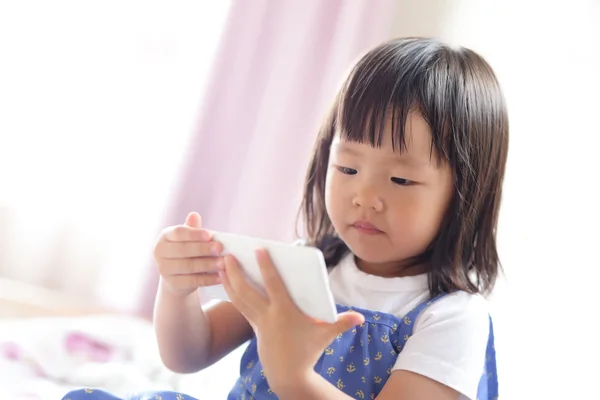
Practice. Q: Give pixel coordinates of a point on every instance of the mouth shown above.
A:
(366, 227)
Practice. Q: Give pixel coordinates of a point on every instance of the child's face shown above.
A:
(385, 205)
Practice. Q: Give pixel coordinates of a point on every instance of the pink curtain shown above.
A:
(275, 74)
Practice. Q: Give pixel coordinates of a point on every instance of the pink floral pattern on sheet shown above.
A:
(13, 352)
(79, 344)
(47, 357)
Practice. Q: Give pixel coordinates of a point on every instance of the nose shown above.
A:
(368, 197)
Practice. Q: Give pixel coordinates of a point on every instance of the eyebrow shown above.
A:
(402, 160)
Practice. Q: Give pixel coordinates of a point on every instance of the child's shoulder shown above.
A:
(458, 313)
(461, 302)
(450, 342)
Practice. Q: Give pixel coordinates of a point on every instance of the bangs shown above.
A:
(387, 85)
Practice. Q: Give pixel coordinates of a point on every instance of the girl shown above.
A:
(402, 196)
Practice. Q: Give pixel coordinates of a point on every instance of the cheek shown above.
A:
(335, 195)
(418, 216)
(330, 193)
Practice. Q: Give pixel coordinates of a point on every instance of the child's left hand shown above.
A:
(289, 342)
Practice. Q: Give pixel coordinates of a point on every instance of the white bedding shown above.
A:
(43, 358)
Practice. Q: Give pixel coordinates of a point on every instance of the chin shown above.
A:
(369, 253)
(375, 249)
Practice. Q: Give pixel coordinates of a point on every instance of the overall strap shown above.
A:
(488, 384)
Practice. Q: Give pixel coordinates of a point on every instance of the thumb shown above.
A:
(346, 321)
(194, 220)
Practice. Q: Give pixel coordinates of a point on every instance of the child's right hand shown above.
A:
(187, 258)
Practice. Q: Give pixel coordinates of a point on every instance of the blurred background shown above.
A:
(117, 118)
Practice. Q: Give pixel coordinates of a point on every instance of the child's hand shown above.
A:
(289, 342)
(187, 258)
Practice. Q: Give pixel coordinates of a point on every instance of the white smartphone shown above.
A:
(302, 269)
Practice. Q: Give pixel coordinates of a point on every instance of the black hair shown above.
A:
(457, 93)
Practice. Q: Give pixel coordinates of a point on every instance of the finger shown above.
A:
(184, 233)
(185, 266)
(346, 321)
(238, 282)
(274, 285)
(194, 220)
(236, 299)
(179, 250)
(193, 281)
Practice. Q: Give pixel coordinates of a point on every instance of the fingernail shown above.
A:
(215, 250)
(220, 264)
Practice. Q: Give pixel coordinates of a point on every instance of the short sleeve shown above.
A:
(449, 343)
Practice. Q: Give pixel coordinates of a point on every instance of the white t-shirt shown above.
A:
(449, 337)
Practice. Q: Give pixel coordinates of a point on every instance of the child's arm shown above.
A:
(402, 385)
(190, 339)
(443, 358)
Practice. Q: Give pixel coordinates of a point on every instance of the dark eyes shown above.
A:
(401, 181)
(347, 171)
(397, 181)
